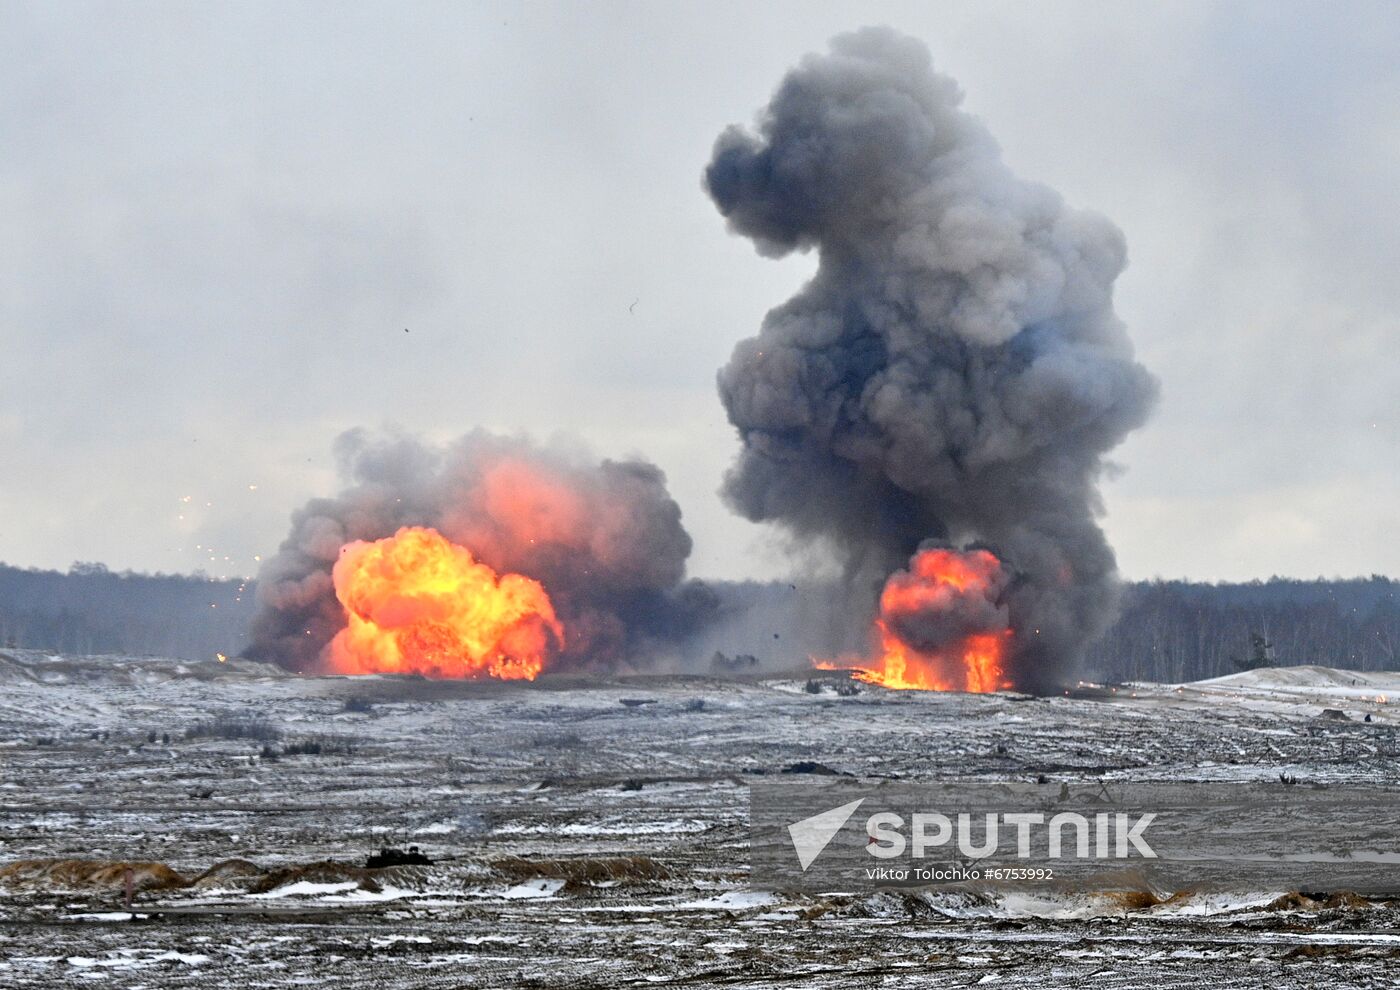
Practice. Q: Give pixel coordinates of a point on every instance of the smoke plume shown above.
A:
(954, 371)
(603, 538)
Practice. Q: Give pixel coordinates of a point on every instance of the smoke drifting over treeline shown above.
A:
(954, 372)
(604, 539)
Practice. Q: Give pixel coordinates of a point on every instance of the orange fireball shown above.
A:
(417, 603)
(951, 590)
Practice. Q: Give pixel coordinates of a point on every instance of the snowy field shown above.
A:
(595, 834)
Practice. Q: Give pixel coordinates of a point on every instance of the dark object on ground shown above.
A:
(812, 767)
(637, 702)
(1335, 714)
(812, 687)
(1261, 654)
(630, 784)
(234, 727)
(847, 689)
(320, 746)
(389, 856)
(738, 662)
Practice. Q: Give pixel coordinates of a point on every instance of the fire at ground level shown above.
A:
(417, 603)
(594, 833)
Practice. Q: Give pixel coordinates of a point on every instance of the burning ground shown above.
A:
(595, 832)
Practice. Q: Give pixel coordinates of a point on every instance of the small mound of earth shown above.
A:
(813, 767)
(230, 872)
(1297, 901)
(90, 874)
(329, 872)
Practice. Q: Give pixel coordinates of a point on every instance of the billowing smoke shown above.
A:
(603, 538)
(954, 371)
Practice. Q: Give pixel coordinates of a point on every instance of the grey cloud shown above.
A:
(954, 371)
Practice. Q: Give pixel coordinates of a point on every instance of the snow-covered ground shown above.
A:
(1361, 691)
(579, 839)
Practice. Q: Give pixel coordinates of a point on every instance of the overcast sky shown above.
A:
(216, 221)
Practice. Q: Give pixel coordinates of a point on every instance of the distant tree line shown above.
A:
(1183, 631)
(90, 609)
(1168, 630)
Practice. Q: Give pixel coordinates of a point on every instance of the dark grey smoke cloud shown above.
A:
(954, 371)
(604, 538)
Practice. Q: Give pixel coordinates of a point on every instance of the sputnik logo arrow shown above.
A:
(811, 835)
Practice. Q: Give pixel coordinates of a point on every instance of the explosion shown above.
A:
(953, 372)
(417, 603)
(942, 626)
(436, 558)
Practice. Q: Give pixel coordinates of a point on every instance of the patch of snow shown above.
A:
(388, 940)
(105, 916)
(734, 900)
(383, 894)
(306, 888)
(538, 889)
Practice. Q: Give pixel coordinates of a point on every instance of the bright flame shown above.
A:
(417, 603)
(941, 583)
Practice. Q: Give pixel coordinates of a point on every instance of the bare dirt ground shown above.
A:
(595, 834)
